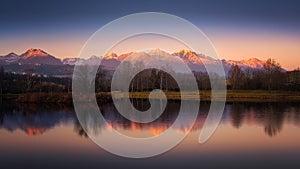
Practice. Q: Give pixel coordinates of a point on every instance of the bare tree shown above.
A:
(273, 74)
(1, 79)
(29, 79)
(139, 81)
(236, 76)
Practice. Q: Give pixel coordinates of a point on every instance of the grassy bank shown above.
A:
(262, 96)
(231, 96)
(39, 97)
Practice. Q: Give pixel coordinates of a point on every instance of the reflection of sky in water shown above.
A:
(266, 133)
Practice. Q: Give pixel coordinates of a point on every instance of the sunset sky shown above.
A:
(238, 29)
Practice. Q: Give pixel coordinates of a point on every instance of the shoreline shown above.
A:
(105, 97)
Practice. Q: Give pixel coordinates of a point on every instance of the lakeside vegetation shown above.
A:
(231, 96)
(269, 84)
(105, 97)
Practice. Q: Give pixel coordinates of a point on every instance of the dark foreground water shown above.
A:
(251, 135)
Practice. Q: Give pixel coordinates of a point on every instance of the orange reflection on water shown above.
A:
(35, 131)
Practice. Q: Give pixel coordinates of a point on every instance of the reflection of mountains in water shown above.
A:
(36, 119)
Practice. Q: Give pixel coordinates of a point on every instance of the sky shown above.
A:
(238, 29)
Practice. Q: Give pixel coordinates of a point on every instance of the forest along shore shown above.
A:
(271, 83)
(105, 97)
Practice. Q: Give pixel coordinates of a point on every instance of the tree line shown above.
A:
(270, 77)
(31, 83)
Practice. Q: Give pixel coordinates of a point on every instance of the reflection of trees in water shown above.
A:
(237, 114)
(141, 104)
(270, 115)
(116, 120)
(293, 118)
(1, 113)
(1, 117)
(36, 119)
(79, 130)
(274, 117)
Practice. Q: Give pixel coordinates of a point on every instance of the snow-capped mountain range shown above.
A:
(38, 57)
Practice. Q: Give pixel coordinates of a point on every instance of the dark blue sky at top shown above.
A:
(31, 16)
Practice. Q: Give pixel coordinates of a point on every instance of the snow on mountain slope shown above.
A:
(111, 60)
(38, 56)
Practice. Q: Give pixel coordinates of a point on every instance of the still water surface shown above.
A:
(251, 135)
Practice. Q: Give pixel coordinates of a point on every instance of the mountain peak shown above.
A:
(183, 52)
(251, 60)
(254, 62)
(34, 52)
(251, 63)
(188, 56)
(111, 55)
(158, 52)
(254, 59)
(123, 56)
(11, 55)
(38, 56)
